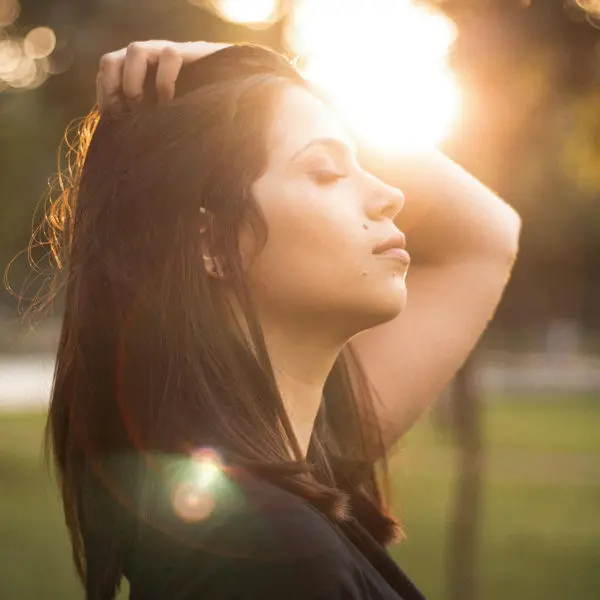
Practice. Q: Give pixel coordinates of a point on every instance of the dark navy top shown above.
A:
(249, 539)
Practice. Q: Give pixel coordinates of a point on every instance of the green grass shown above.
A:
(540, 527)
(540, 530)
(559, 424)
(538, 540)
(36, 554)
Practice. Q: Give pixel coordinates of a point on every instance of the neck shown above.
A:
(301, 362)
(302, 354)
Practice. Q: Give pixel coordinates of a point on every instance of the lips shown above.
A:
(397, 240)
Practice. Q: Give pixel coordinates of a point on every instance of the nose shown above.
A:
(388, 200)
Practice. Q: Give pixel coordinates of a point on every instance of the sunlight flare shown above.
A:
(248, 12)
(384, 65)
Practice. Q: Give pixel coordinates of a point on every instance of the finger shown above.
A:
(134, 70)
(169, 66)
(109, 79)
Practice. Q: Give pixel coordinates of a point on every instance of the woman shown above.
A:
(231, 311)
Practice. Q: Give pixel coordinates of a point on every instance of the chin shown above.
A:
(385, 308)
(393, 298)
(394, 307)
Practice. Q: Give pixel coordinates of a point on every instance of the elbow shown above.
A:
(499, 240)
(508, 242)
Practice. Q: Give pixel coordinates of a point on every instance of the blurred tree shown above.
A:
(530, 127)
(462, 564)
(530, 71)
(530, 130)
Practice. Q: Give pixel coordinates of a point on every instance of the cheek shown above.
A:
(316, 239)
(310, 233)
(310, 256)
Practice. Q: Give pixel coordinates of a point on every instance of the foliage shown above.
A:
(530, 128)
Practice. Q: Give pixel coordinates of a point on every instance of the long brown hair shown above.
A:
(146, 363)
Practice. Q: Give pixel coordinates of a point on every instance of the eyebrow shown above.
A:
(328, 142)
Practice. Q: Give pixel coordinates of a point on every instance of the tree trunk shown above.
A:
(463, 538)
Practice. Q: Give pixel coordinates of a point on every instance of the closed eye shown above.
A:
(327, 177)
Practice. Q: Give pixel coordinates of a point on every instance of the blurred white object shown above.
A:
(25, 381)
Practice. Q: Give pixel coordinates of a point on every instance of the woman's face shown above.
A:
(324, 216)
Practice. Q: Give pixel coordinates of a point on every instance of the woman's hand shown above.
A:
(122, 73)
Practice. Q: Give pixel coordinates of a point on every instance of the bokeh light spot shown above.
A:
(24, 74)
(41, 74)
(39, 42)
(9, 12)
(11, 54)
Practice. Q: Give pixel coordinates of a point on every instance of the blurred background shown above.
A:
(499, 484)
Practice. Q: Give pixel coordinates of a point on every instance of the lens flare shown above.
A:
(207, 466)
(383, 64)
(199, 481)
(192, 503)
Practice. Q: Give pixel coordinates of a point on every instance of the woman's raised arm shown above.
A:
(122, 73)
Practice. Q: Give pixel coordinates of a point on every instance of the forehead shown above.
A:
(300, 117)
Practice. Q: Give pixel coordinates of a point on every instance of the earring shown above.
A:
(203, 227)
(210, 264)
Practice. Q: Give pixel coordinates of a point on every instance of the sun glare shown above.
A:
(247, 11)
(384, 64)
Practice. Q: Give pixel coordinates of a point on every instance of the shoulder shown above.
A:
(241, 534)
